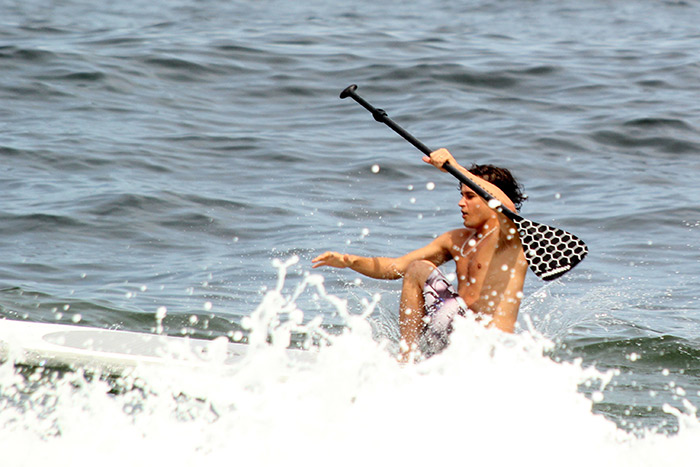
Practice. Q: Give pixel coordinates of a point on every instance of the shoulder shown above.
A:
(460, 234)
(456, 237)
(450, 240)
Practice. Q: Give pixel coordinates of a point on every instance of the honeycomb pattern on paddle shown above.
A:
(550, 252)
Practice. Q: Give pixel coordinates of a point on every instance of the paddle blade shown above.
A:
(549, 251)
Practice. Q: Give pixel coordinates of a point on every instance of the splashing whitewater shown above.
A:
(489, 397)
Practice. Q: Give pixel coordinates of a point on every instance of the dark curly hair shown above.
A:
(503, 179)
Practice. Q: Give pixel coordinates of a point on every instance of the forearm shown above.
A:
(442, 156)
(375, 267)
(490, 188)
(437, 252)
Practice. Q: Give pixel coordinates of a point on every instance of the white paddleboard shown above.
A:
(111, 351)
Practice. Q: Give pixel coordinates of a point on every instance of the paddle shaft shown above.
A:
(381, 116)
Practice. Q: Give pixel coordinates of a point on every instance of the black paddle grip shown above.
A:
(347, 91)
(382, 117)
(378, 114)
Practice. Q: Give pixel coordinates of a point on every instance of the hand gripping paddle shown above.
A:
(550, 252)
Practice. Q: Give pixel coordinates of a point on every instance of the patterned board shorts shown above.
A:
(442, 303)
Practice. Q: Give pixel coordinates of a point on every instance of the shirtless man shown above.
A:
(489, 260)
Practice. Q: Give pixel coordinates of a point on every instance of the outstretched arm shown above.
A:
(437, 252)
(375, 267)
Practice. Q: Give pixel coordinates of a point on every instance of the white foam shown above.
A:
(489, 398)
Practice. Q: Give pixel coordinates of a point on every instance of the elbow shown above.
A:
(394, 272)
(396, 268)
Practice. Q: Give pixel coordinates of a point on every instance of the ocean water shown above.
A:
(188, 159)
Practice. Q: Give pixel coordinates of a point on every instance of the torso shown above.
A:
(490, 269)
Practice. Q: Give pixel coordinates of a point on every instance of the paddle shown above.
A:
(550, 251)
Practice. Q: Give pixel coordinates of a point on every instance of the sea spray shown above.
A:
(489, 397)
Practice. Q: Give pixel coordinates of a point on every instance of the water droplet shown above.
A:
(161, 312)
(430, 186)
(375, 169)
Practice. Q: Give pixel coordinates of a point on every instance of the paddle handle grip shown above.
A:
(381, 116)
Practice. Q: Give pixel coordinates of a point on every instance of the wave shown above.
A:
(665, 144)
(23, 54)
(648, 371)
(648, 352)
(652, 122)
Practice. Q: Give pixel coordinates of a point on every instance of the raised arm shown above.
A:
(441, 156)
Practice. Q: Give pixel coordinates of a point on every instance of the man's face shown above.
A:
(475, 211)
